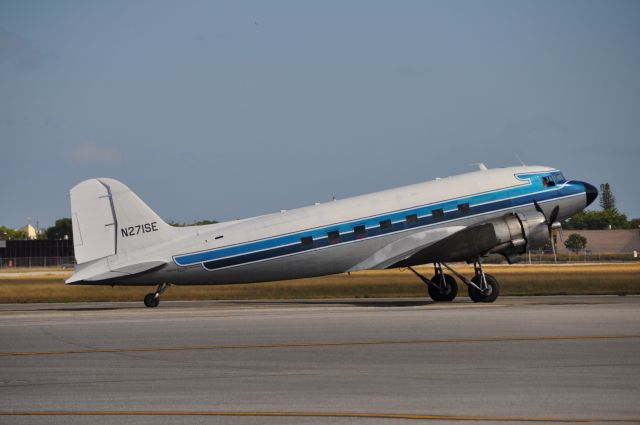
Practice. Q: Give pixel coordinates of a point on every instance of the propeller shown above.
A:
(550, 221)
(553, 216)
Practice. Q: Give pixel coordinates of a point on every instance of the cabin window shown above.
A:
(385, 224)
(306, 240)
(438, 212)
(463, 207)
(359, 231)
(548, 181)
(333, 236)
(412, 219)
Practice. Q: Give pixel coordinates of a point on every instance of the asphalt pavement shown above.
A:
(553, 359)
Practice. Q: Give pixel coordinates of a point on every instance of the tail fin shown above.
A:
(109, 219)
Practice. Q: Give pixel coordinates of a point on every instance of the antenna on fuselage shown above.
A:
(480, 165)
(518, 158)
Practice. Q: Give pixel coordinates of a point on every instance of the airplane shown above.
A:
(119, 240)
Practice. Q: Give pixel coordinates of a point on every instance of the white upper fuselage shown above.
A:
(359, 207)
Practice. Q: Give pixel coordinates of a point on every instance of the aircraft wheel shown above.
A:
(493, 289)
(448, 293)
(150, 300)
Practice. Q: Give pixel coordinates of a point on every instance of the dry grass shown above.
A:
(621, 278)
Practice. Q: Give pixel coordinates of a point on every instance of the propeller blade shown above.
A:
(550, 221)
(535, 203)
(553, 247)
(561, 234)
(554, 215)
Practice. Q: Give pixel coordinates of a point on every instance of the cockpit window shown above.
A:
(553, 179)
(547, 181)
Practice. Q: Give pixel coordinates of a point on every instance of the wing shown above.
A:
(405, 247)
(509, 235)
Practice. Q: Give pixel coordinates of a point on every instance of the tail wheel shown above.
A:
(487, 296)
(150, 300)
(445, 288)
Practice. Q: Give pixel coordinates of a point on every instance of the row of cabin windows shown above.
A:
(360, 230)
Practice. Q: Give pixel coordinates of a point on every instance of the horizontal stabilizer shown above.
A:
(100, 270)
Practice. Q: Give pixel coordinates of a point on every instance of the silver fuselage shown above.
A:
(302, 242)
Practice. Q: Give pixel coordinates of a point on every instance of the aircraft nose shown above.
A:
(591, 192)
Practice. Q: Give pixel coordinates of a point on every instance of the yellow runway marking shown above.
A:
(358, 415)
(316, 344)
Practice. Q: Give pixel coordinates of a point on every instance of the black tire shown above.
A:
(150, 300)
(493, 290)
(450, 289)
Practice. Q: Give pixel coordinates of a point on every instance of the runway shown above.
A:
(522, 359)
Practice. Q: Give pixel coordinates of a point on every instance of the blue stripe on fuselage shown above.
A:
(290, 243)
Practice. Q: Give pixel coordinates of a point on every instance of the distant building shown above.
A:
(30, 231)
(622, 241)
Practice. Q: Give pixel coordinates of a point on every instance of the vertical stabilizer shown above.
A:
(109, 219)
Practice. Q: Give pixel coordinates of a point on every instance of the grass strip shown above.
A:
(598, 279)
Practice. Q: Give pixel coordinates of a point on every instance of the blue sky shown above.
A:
(222, 110)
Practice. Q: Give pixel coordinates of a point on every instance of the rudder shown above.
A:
(92, 221)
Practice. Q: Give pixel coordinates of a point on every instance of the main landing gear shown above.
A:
(153, 299)
(482, 287)
(441, 287)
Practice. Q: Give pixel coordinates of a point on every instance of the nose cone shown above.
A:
(591, 192)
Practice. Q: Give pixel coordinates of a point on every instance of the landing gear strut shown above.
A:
(441, 287)
(483, 287)
(486, 289)
(153, 299)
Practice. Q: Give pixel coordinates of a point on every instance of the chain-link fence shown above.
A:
(540, 256)
(532, 257)
(37, 262)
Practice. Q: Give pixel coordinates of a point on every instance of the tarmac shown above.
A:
(565, 359)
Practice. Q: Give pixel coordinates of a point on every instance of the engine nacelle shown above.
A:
(518, 233)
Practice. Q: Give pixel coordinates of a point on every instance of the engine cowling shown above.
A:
(518, 233)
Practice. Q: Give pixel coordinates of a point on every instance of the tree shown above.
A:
(203, 222)
(8, 234)
(597, 220)
(608, 218)
(575, 243)
(607, 200)
(61, 230)
(195, 223)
